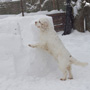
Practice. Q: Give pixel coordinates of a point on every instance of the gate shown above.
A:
(59, 21)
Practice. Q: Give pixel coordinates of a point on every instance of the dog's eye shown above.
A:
(39, 22)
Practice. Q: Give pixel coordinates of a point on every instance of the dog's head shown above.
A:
(42, 24)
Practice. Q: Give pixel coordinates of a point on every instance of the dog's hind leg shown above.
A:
(64, 75)
(70, 73)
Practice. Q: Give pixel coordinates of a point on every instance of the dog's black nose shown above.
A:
(35, 22)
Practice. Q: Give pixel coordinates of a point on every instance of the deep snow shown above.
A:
(24, 68)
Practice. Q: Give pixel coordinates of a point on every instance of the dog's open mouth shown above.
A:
(38, 26)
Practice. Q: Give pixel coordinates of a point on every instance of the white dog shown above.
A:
(50, 42)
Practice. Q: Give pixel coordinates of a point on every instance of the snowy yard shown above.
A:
(24, 68)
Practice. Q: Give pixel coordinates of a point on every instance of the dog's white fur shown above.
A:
(50, 42)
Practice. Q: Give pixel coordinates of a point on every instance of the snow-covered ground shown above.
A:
(24, 68)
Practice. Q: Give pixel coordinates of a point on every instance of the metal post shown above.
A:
(69, 18)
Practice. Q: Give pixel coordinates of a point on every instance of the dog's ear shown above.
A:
(45, 24)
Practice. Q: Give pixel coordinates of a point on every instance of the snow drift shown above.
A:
(15, 35)
(36, 68)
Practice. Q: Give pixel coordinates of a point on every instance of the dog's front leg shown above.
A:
(35, 46)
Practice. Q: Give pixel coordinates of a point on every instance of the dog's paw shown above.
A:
(31, 46)
(63, 79)
(70, 78)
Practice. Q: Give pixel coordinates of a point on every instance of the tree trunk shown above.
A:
(79, 22)
(79, 19)
(57, 4)
(54, 5)
(87, 17)
(40, 5)
(22, 9)
(69, 19)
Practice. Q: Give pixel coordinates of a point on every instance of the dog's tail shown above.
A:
(74, 61)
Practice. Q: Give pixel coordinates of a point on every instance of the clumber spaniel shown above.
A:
(50, 42)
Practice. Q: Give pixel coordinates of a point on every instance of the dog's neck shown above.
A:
(45, 30)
